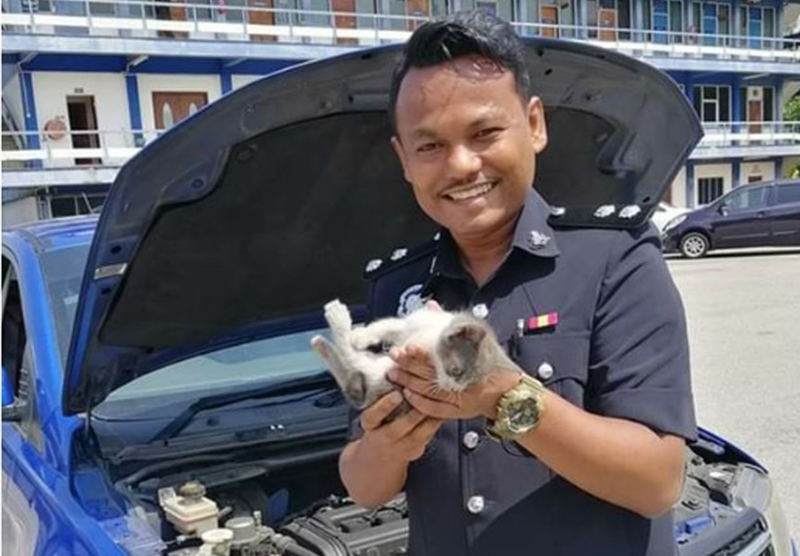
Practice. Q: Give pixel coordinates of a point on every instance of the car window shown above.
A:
(17, 356)
(234, 369)
(788, 193)
(749, 198)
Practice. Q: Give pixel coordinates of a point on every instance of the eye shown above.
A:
(427, 147)
(488, 132)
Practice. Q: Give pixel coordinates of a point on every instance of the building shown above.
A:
(87, 83)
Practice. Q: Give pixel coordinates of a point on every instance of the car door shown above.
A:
(743, 218)
(20, 520)
(785, 214)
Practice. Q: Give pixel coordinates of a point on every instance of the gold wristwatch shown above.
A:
(519, 410)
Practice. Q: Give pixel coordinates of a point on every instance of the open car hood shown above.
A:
(266, 204)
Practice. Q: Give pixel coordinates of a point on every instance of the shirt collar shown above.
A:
(532, 234)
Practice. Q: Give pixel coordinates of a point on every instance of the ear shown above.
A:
(401, 154)
(537, 125)
(467, 333)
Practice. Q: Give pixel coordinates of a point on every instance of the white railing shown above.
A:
(197, 21)
(113, 148)
(76, 148)
(728, 134)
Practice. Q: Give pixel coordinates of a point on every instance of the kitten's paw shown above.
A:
(338, 317)
(361, 339)
(322, 346)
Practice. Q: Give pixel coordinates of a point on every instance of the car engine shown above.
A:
(235, 509)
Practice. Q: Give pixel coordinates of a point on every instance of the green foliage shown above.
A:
(791, 112)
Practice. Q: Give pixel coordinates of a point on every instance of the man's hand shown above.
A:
(415, 373)
(403, 439)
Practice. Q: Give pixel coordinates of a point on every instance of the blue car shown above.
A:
(764, 214)
(160, 396)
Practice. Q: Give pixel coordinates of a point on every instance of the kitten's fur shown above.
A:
(463, 348)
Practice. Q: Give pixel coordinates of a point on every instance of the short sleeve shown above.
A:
(639, 360)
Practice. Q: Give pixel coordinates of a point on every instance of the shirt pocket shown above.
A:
(560, 362)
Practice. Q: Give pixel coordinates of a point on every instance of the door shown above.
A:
(342, 21)
(172, 10)
(607, 21)
(755, 115)
(549, 19)
(786, 214)
(82, 122)
(743, 218)
(261, 14)
(417, 9)
(170, 108)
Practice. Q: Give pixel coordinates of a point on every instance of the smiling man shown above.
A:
(580, 450)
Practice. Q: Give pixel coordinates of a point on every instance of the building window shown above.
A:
(73, 205)
(708, 189)
(713, 103)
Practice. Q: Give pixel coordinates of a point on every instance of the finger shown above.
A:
(430, 407)
(373, 416)
(433, 305)
(415, 360)
(423, 386)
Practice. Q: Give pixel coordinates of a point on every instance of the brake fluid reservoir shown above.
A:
(189, 511)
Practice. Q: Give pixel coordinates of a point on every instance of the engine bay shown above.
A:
(206, 506)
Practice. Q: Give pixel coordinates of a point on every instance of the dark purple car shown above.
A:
(764, 214)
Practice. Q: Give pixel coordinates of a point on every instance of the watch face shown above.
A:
(524, 414)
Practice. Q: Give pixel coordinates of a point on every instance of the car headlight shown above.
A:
(677, 221)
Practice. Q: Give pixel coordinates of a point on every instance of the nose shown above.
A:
(463, 162)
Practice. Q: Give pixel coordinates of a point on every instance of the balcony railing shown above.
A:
(86, 149)
(197, 21)
(728, 134)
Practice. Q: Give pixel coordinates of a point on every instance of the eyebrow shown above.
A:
(482, 121)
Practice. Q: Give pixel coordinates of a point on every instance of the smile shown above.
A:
(470, 192)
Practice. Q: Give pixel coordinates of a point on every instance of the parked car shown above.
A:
(664, 213)
(764, 214)
(160, 396)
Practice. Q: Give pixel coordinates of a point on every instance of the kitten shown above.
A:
(463, 350)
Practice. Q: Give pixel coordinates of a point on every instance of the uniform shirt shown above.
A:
(619, 348)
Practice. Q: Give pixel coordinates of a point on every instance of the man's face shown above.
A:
(468, 144)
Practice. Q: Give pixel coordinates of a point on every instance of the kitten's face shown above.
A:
(461, 352)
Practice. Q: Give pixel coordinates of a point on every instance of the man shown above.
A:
(592, 440)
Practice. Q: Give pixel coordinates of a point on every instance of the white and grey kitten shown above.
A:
(463, 349)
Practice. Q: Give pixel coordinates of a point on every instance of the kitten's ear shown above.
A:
(467, 332)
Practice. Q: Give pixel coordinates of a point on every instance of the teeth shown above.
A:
(471, 192)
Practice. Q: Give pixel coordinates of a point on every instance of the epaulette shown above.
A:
(400, 257)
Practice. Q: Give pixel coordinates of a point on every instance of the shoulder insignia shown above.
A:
(397, 259)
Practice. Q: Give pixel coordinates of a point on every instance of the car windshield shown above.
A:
(230, 369)
(63, 271)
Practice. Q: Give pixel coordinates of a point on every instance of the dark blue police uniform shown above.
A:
(619, 349)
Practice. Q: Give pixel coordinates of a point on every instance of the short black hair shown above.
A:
(474, 33)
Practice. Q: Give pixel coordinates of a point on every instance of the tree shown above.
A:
(791, 113)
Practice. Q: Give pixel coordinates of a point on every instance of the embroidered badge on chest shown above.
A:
(410, 300)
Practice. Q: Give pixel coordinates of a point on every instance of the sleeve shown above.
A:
(639, 360)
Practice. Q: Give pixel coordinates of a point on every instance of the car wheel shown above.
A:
(694, 245)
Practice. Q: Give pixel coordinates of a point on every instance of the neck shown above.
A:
(482, 254)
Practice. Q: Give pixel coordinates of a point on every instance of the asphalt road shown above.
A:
(743, 312)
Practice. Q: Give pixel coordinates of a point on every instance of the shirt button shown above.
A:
(475, 504)
(471, 440)
(480, 310)
(545, 371)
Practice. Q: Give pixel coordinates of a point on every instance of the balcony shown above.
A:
(748, 139)
(86, 157)
(194, 29)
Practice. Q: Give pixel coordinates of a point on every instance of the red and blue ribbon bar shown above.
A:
(542, 321)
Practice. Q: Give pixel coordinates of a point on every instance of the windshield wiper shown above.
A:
(286, 388)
